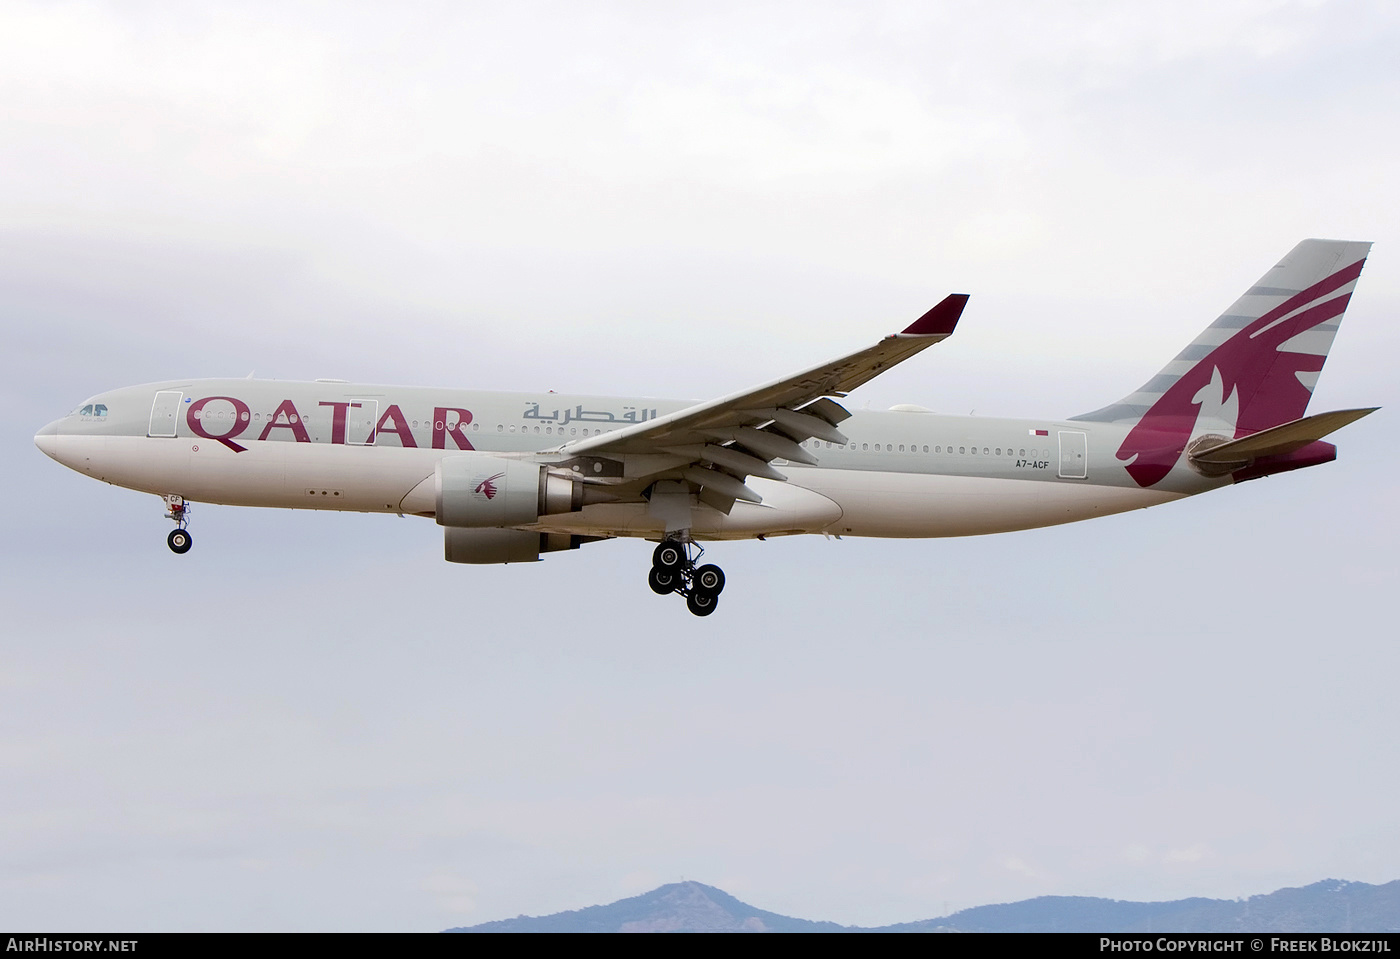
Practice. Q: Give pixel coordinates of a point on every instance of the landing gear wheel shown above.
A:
(673, 570)
(663, 581)
(710, 579)
(179, 541)
(701, 603)
(669, 555)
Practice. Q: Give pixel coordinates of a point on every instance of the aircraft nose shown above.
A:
(47, 439)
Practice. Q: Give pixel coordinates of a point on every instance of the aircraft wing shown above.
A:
(739, 435)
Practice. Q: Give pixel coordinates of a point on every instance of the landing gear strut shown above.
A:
(673, 570)
(179, 539)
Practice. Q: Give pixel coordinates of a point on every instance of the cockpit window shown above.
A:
(86, 410)
(91, 409)
(99, 409)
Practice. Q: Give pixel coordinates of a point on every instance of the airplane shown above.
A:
(512, 476)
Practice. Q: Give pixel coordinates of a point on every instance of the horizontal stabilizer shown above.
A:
(1278, 440)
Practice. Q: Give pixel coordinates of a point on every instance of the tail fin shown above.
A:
(1252, 369)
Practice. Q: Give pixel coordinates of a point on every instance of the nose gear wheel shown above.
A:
(178, 510)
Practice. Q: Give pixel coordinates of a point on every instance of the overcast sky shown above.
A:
(312, 722)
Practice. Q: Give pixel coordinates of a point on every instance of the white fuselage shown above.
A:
(331, 445)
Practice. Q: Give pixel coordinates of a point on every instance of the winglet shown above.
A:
(942, 319)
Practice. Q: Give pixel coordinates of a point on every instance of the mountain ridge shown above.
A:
(1331, 905)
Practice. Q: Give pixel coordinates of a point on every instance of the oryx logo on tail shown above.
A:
(1252, 369)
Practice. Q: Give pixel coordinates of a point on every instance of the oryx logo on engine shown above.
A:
(487, 487)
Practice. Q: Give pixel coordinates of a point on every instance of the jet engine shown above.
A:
(479, 491)
(504, 545)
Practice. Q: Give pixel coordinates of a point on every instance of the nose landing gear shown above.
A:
(673, 570)
(179, 539)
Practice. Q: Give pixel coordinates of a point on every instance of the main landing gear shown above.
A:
(179, 539)
(673, 570)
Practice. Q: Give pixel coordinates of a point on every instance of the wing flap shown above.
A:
(829, 410)
(731, 459)
(765, 443)
(721, 482)
(801, 425)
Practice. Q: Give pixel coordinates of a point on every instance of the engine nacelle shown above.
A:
(504, 545)
(479, 491)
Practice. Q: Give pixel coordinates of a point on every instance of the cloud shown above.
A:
(452, 894)
(1197, 852)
